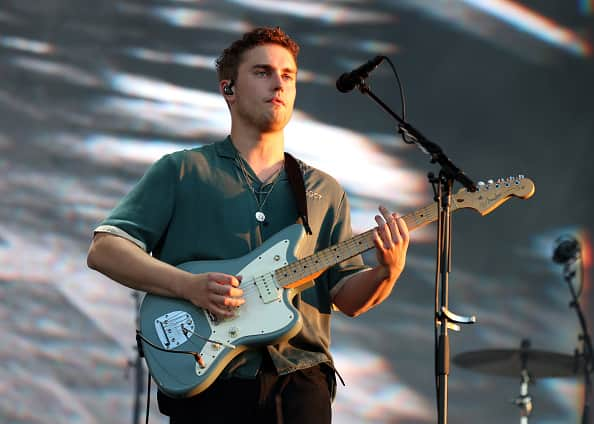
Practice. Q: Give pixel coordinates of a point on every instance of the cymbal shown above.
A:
(510, 362)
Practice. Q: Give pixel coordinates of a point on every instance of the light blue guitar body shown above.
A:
(266, 317)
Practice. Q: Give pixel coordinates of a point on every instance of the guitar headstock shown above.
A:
(492, 194)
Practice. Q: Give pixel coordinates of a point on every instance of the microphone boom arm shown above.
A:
(413, 136)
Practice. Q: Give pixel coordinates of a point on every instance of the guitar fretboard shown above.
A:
(301, 271)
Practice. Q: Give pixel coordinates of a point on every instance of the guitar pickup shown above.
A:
(268, 290)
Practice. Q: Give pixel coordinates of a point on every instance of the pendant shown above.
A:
(260, 217)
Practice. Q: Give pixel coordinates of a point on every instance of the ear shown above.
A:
(226, 88)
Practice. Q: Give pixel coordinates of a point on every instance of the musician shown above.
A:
(222, 200)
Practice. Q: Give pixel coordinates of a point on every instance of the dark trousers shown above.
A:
(300, 397)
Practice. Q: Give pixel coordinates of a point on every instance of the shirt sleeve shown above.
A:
(144, 213)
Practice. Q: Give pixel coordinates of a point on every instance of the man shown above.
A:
(220, 202)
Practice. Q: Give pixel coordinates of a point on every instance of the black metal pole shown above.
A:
(139, 374)
(443, 187)
(584, 339)
(444, 249)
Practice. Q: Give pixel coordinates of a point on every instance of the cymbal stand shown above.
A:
(524, 401)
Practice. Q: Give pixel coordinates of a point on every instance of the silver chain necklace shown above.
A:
(260, 216)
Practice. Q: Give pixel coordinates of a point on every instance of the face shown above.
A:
(264, 91)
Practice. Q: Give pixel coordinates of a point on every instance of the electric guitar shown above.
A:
(186, 348)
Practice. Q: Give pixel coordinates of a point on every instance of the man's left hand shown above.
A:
(391, 242)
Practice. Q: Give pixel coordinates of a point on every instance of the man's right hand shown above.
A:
(123, 261)
(216, 292)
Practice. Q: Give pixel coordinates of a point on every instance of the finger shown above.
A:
(394, 229)
(234, 292)
(225, 290)
(221, 312)
(391, 222)
(232, 302)
(384, 232)
(385, 212)
(225, 279)
(392, 225)
(403, 230)
(377, 240)
(226, 302)
(236, 280)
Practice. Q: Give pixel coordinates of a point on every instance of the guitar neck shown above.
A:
(304, 270)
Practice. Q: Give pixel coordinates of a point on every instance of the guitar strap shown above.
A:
(298, 187)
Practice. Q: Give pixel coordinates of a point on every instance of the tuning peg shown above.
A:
(511, 178)
(521, 177)
(490, 181)
(481, 183)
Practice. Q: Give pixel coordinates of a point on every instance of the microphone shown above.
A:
(567, 250)
(349, 80)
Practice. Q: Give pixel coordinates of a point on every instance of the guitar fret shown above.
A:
(324, 259)
(347, 249)
(298, 272)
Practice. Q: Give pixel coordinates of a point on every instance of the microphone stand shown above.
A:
(586, 342)
(442, 187)
(139, 374)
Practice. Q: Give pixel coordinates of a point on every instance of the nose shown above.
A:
(277, 81)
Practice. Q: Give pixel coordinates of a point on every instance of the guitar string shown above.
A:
(324, 258)
(422, 215)
(248, 292)
(252, 285)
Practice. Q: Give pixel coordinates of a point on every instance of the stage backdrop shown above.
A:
(92, 92)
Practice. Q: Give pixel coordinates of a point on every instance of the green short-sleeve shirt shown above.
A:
(196, 205)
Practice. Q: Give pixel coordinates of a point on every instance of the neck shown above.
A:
(264, 152)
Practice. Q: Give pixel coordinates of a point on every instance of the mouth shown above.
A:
(276, 101)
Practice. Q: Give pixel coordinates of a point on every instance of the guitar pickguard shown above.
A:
(263, 313)
(196, 346)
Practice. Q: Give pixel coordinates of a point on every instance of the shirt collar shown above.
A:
(226, 148)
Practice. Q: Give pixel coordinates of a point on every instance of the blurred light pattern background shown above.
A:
(92, 92)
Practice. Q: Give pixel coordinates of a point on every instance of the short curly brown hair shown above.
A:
(228, 62)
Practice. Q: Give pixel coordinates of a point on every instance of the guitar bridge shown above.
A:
(174, 328)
